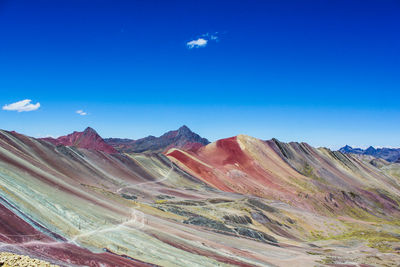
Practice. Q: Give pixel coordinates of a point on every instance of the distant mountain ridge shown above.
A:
(389, 154)
(182, 138)
(88, 139)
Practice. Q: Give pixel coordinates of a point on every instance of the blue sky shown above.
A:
(323, 72)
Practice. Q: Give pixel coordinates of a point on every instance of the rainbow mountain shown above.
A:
(178, 200)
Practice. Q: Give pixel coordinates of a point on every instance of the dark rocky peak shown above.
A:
(370, 150)
(90, 130)
(182, 138)
(346, 148)
(184, 130)
(349, 149)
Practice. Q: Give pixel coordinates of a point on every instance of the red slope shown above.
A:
(88, 139)
(224, 165)
(251, 166)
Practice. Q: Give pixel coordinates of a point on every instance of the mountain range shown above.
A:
(89, 139)
(389, 154)
(179, 200)
(181, 138)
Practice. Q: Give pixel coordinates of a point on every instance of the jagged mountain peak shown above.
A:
(88, 139)
(90, 130)
(389, 154)
(184, 128)
(370, 149)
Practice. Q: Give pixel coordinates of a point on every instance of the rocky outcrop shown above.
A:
(205, 222)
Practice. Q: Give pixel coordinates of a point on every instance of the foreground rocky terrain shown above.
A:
(10, 259)
(239, 201)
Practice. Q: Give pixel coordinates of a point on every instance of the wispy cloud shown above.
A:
(201, 42)
(212, 36)
(81, 112)
(21, 106)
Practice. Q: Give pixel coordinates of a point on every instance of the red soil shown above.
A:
(230, 150)
(201, 171)
(232, 169)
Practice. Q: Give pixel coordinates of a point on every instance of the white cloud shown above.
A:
(81, 112)
(204, 40)
(201, 42)
(23, 105)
